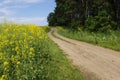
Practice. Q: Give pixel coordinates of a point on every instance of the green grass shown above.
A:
(60, 38)
(61, 68)
(109, 40)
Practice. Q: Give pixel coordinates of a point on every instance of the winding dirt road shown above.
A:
(96, 63)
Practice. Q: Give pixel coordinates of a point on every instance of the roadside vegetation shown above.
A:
(95, 15)
(96, 21)
(108, 39)
(26, 53)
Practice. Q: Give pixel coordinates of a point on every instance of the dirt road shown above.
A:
(96, 63)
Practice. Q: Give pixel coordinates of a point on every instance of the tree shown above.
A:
(51, 19)
(74, 13)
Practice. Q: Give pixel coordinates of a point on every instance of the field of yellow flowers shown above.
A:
(22, 52)
(26, 53)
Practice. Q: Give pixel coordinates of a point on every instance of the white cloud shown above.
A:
(15, 4)
(5, 2)
(20, 1)
(32, 20)
(1, 18)
(31, 1)
(5, 11)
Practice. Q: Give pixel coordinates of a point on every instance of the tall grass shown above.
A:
(26, 53)
(109, 40)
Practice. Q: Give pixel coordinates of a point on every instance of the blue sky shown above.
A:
(26, 11)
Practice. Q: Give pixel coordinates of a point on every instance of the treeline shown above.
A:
(93, 15)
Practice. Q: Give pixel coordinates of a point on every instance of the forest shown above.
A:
(91, 15)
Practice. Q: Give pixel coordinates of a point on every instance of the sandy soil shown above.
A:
(95, 63)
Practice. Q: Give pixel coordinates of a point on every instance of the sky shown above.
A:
(26, 11)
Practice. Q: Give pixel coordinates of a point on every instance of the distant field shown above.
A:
(109, 40)
(26, 53)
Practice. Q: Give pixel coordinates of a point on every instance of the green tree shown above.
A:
(51, 19)
(88, 13)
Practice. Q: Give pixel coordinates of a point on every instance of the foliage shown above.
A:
(26, 53)
(109, 40)
(21, 51)
(101, 23)
(51, 19)
(73, 13)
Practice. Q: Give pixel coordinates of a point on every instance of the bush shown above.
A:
(100, 23)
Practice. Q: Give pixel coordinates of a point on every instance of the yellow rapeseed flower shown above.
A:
(2, 78)
(5, 63)
(13, 49)
(11, 43)
(16, 48)
(25, 34)
(6, 30)
(31, 67)
(31, 49)
(26, 46)
(18, 62)
(13, 36)
(31, 53)
(13, 58)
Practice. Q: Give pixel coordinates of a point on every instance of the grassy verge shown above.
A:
(108, 40)
(61, 67)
